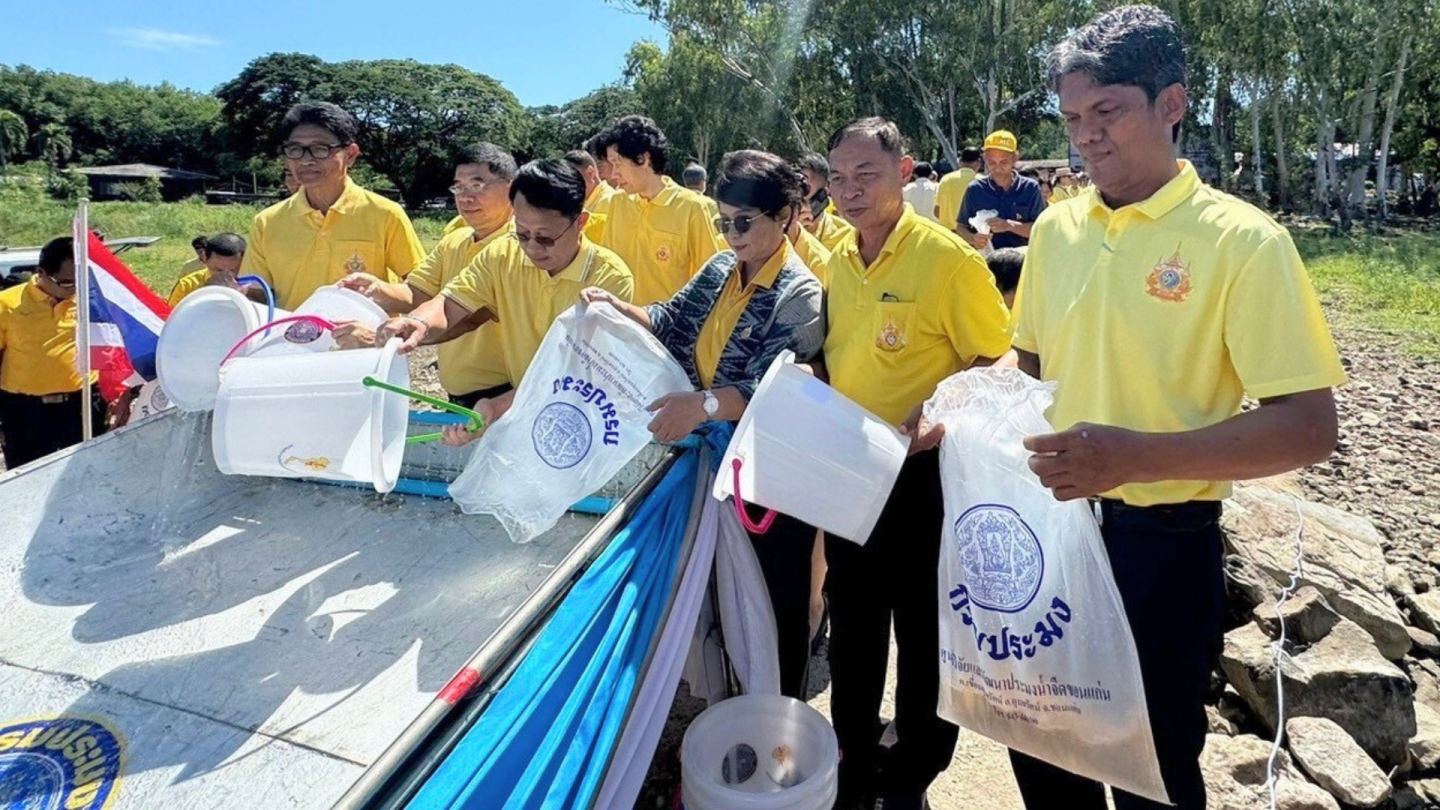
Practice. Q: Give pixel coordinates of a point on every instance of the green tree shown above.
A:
(558, 129)
(13, 134)
(55, 146)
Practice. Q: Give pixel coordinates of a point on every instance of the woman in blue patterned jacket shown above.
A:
(725, 328)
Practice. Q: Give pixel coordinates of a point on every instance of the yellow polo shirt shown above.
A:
(715, 332)
(298, 250)
(188, 284)
(952, 195)
(832, 229)
(454, 225)
(475, 360)
(1060, 193)
(1161, 316)
(526, 299)
(664, 241)
(597, 203)
(925, 309)
(812, 253)
(37, 343)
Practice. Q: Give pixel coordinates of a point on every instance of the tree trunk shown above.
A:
(1365, 137)
(1323, 144)
(1282, 166)
(1392, 106)
(1219, 139)
(1257, 159)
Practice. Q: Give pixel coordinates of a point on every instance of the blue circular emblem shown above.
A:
(1169, 279)
(63, 762)
(1001, 557)
(303, 332)
(562, 435)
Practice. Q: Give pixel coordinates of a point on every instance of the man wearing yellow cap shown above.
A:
(1015, 199)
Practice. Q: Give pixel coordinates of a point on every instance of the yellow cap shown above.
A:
(1004, 140)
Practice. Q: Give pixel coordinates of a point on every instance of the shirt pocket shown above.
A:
(357, 256)
(892, 330)
(667, 250)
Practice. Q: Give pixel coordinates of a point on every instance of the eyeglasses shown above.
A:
(469, 189)
(741, 224)
(317, 151)
(544, 241)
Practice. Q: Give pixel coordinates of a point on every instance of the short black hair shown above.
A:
(693, 175)
(1005, 265)
(1033, 174)
(755, 179)
(55, 253)
(885, 133)
(636, 136)
(198, 243)
(923, 169)
(1137, 46)
(596, 145)
(225, 244)
(970, 154)
(814, 162)
(323, 114)
(500, 162)
(550, 184)
(580, 159)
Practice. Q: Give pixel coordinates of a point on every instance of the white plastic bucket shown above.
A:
(805, 450)
(327, 303)
(795, 762)
(196, 337)
(309, 415)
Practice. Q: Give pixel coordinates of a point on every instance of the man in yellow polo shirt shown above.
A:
(40, 389)
(1158, 304)
(952, 188)
(223, 254)
(825, 223)
(909, 304)
(663, 233)
(524, 281)
(598, 193)
(332, 227)
(472, 365)
(1064, 187)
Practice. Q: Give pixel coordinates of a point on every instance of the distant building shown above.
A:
(108, 182)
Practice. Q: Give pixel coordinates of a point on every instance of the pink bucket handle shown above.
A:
(755, 528)
(320, 322)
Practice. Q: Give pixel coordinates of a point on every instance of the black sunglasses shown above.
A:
(544, 241)
(741, 224)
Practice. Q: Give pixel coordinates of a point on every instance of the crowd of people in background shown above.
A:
(1153, 301)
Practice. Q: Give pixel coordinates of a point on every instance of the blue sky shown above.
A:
(544, 51)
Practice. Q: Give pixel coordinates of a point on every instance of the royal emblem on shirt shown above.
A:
(662, 254)
(1170, 280)
(891, 339)
(355, 264)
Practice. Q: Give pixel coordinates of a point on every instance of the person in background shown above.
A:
(662, 232)
(808, 248)
(471, 365)
(198, 263)
(524, 281)
(951, 193)
(1046, 192)
(1005, 265)
(597, 146)
(725, 328)
(1159, 305)
(1082, 182)
(908, 304)
(597, 191)
(695, 178)
(292, 183)
(920, 192)
(224, 252)
(1016, 199)
(825, 222)
(335, 227)
(41, 392)
(1063, 187)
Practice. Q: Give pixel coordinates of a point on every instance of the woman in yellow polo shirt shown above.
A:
(746, 306)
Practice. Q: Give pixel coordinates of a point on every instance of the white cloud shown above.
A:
(153, 39)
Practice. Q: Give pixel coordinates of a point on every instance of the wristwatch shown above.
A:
(711, 404)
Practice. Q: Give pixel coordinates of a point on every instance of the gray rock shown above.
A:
(1307, 616)
(1425, 610)
(1427, 789)
(1423, 641)
(1397, 582)
(1342, 677)
(1336, 762)
(1380, 618)
(1407, 798)
(1247, 584)
(1234, 770)
(1426, 675)
(1217, 722)
(1425, 745)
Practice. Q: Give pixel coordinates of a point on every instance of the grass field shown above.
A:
(1389, 282)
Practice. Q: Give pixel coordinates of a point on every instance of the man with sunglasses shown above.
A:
(825, 223)
(524, 282)
(332, 227)
(472, 365)
(40, 391)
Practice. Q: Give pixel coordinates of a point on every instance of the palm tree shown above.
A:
(54, 145)
(13, 134)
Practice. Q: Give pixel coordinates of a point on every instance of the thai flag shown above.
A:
(125, 322)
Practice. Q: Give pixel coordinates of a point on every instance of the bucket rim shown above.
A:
(384, 483)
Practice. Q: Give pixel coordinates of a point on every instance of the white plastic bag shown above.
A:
(578, 417)
(980, 223)
(1035, 649)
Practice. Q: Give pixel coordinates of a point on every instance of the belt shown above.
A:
(1183, 513)
(46, 399)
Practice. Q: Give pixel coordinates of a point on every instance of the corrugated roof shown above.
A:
(140, 171)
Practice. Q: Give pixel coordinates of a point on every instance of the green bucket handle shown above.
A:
(477, 422)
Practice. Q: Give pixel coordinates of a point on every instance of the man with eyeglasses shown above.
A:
(825, 222)
(40, 391)
(472, 365)
(524, 281)
(332, 227)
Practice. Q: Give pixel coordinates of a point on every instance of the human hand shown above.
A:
(410, 330)
(1086, 460)
(1000, 225)
(923, 435)
(980, 241)
(353, 335)
(597, 295)
(677, 415)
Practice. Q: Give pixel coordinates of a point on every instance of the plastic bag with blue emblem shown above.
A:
(578, 418)
(1035, 649)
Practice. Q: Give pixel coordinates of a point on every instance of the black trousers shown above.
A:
(784, 554)
(469, 400)
(892, 577)
(1168, 567)
(35, 426)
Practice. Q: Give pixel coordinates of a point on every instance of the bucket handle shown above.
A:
(269, 294)
(320, 322)
(755, 528)
(477, 422)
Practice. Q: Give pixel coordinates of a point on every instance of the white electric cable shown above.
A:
(1271, 779)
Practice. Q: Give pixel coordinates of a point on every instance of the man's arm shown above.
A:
(435, 321)
(1021, 229)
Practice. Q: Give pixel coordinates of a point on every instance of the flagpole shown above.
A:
(82, 316)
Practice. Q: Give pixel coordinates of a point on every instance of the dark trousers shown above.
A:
(1167, 564)
(784, 555)
(469, 400)
(35, 426)
(892, 577)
